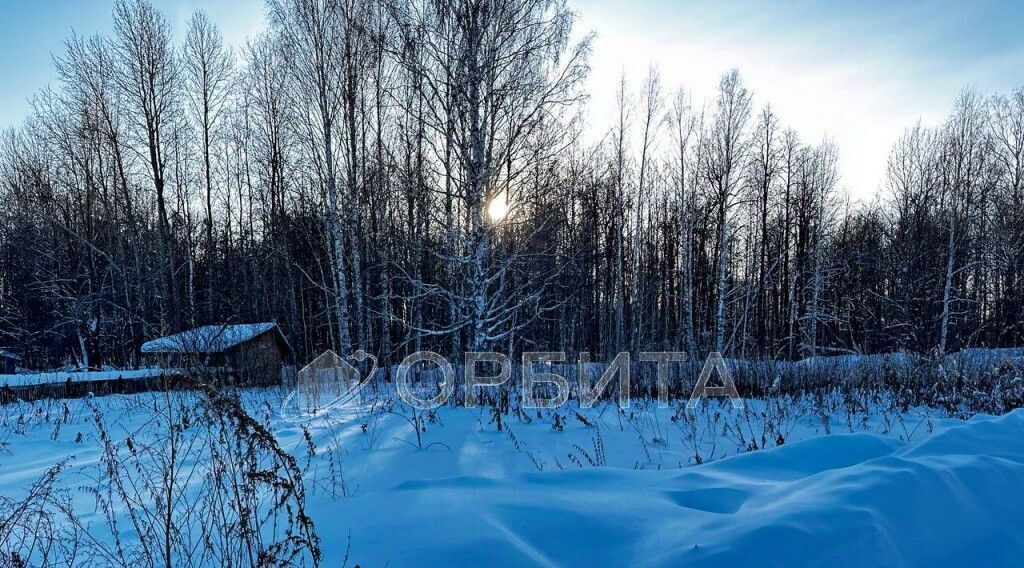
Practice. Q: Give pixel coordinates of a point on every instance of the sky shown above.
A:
(856, 73)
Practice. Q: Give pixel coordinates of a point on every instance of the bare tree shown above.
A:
(727, 151)
(507, 71)
(148, 77)
(315, 36)
(208, 69)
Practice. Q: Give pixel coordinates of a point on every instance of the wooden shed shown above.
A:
(8, 362)
(256, 351)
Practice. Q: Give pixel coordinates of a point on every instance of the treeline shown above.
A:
(396, 175)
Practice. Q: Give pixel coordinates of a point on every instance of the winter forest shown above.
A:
(219, 254)
(402, 175)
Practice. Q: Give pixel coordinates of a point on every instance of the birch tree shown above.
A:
(313, 32)
(727, 151)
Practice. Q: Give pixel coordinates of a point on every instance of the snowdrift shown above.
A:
(475, 496)
(953, 498)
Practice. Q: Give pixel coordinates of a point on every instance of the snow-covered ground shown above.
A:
(601, 487)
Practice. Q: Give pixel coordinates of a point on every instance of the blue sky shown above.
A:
(31, 31)
(857, 72)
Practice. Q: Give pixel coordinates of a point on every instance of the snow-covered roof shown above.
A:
(210, 338)
(9, 355)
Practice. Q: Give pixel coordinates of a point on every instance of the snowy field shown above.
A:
(600, 487)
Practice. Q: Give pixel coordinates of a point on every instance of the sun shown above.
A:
(497, 209)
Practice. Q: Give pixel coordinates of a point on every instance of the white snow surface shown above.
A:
(841, 500)
(880, 490)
